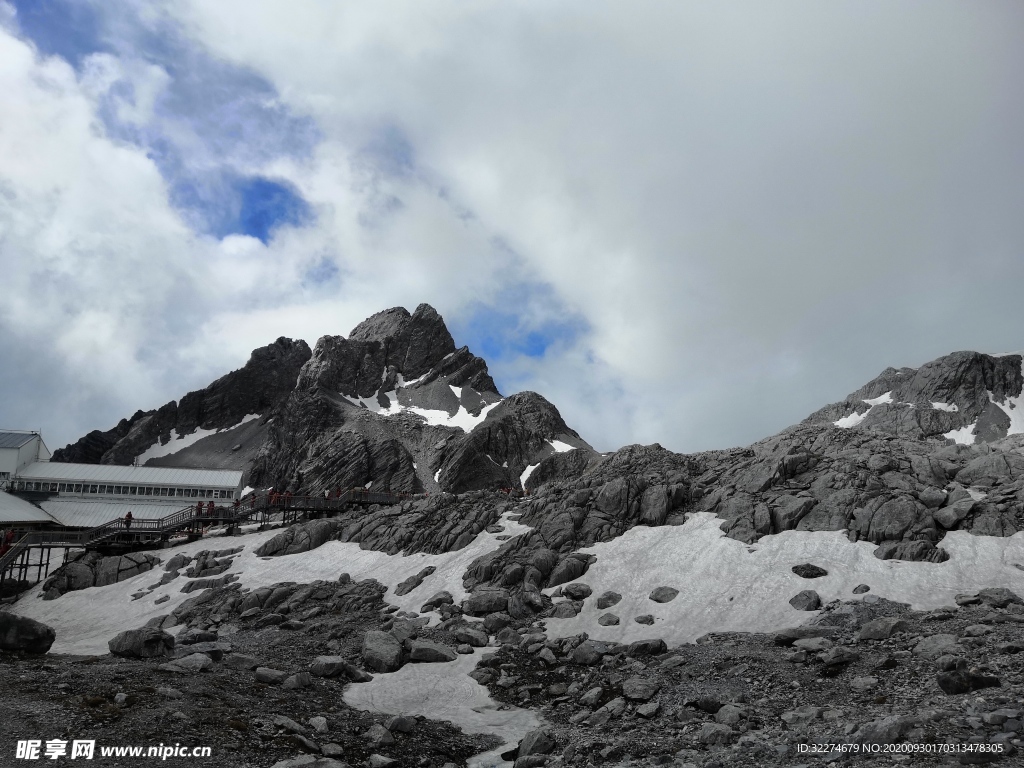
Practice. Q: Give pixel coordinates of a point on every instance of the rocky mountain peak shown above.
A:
(964, 396)
(413, 344)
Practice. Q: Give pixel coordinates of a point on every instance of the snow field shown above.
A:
(727, 586)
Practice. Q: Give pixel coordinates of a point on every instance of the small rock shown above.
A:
(882, 629)
(860, 589)
(608, 599)
(862, 684)
(270, 676)
(808, 571)
(300, 680)
(608, 620)
(646, 618)
(663, 594)
(378, 735)
(640, 689)
(648, 710)
(577, 591)
(401, 724)
(807, 600)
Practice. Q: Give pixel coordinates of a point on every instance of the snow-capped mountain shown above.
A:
(967, 397)
(395, 405)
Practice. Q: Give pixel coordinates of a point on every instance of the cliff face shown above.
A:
(260, 387)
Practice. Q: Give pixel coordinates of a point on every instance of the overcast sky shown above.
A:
(685, 223)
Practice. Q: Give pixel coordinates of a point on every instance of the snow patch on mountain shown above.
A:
(559, 446)
(950, 407)
(964, 435)
(885, 399)
(446, 692)
(853, 419)
(461, 419)
(526, 473)
(177, 443)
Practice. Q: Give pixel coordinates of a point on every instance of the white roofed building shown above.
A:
(18, 449)
(87, 495)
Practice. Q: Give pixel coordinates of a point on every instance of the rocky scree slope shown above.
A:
(395, 406)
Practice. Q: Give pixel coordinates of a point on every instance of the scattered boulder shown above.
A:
(608, 599)
(144, 643)
(577, 591)
(663, 594)
(381, 651)
(608, 620)
(933, 646)
(808, 600)
(640, 689)
(537, 742)
(413, 581)
(427, 651)
(809, 571)
(20, 633)
(882, 628)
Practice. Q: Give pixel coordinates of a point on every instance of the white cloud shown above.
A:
(753, 209)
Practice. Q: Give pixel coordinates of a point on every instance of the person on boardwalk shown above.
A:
(128, 521)
(209, 508)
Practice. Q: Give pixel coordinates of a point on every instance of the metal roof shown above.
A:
(16, 439)
(15, 510)
(88, 514)
(113, 473)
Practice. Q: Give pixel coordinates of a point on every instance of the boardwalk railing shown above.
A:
(195, 516)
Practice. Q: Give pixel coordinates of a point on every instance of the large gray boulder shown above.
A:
(144, 643)
(430, 652)
(482, 602)
(20, 633)
(381, 651)
(300, 538)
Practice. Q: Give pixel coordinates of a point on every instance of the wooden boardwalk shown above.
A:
(31, 552)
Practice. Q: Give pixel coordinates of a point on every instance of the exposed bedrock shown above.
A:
(91, 569)
(260, 387)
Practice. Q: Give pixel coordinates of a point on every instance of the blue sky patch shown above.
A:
(214, 124)
(69, 30)
(496, 334)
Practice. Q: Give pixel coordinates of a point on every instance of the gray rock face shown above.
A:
(486, 601)
(145, 643)
(302, 537)
(381, 652)
(261, 386)
(20, 633)
(90, 569)
(959, 382)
